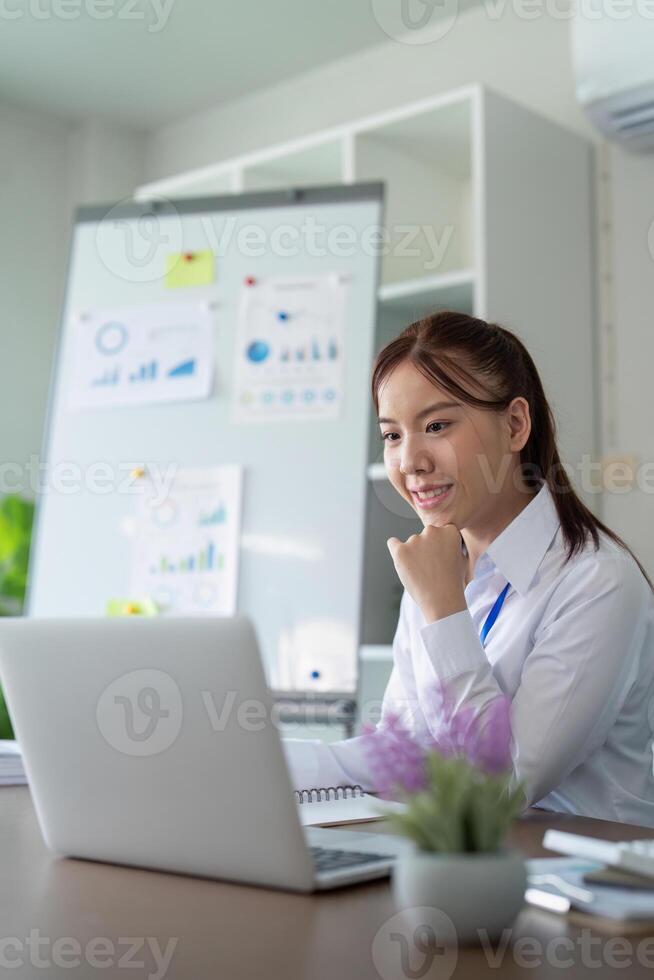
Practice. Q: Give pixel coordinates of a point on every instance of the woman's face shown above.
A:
(453, 463)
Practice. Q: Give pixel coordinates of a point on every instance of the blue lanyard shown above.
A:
(494, 613)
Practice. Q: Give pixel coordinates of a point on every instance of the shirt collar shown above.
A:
(520, 548)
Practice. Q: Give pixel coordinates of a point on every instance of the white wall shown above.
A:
(632, 217)
(526, 60)
(33, 243)
(47, 168)
(106, 162)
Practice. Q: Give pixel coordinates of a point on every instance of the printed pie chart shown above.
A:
(205, 594)
(165, 514)
(258, 351)
(112, 337)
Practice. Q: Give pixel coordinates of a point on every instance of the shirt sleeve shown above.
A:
(575, 679)
(313, 763)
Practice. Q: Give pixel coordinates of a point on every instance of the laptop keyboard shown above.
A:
(330, 859)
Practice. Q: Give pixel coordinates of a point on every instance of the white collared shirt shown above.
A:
(573, 647)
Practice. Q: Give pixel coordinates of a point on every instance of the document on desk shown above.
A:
(563, 878)
(11, 764)
(356, 809)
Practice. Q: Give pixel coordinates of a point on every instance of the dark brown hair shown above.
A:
(461, 353)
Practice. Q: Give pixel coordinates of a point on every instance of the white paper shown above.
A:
(12, 772)
(186, 548)
(317, 654)
(163, 352)
(290, 350)
(608, 901)
(355, 809)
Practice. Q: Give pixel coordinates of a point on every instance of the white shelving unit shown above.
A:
(489, 212)
(454, 290)
(380, 653)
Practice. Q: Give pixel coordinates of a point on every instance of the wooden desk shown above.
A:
(229, 932)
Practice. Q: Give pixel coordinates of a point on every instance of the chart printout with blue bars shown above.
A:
(290, 346)
(185, 547)
(143, 355)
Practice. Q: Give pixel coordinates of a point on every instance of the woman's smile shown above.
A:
(430, 499)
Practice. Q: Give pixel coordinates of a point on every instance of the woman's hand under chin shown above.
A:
(432, 568)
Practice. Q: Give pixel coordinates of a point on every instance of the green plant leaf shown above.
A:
(6, 730)
(462, 810)
(16, 520)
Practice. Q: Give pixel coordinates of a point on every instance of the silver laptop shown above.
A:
(153, 742)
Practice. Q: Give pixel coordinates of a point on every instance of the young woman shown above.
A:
(512, 586)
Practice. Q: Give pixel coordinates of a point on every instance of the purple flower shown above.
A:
(397, 759)
(483, 738)
(492, 748)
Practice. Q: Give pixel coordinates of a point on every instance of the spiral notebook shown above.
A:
(328, 806)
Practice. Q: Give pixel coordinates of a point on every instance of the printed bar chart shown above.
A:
(208, 559)
(290, 346)
(110, 377)
(147, 372)
(186, 549)
(217, 516)
(183, 370)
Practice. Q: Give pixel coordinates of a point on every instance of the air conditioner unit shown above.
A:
(613, 59)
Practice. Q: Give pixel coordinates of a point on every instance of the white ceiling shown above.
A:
(150, 61)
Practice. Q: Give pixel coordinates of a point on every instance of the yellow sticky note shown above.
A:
(189, 269)
(132, 607)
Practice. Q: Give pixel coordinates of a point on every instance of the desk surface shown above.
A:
(231, 932)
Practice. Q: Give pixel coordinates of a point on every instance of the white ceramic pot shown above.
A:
(477, 892)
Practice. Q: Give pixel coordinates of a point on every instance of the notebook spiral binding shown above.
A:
(322, 794)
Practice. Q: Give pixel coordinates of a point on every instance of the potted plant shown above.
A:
(457, 788)
(16, 517)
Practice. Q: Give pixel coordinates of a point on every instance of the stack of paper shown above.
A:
(11, 764)
(559, 884)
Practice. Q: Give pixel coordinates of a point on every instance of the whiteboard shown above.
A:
(303, 506)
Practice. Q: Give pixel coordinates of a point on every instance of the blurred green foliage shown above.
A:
(461, 810)
(16, 519)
